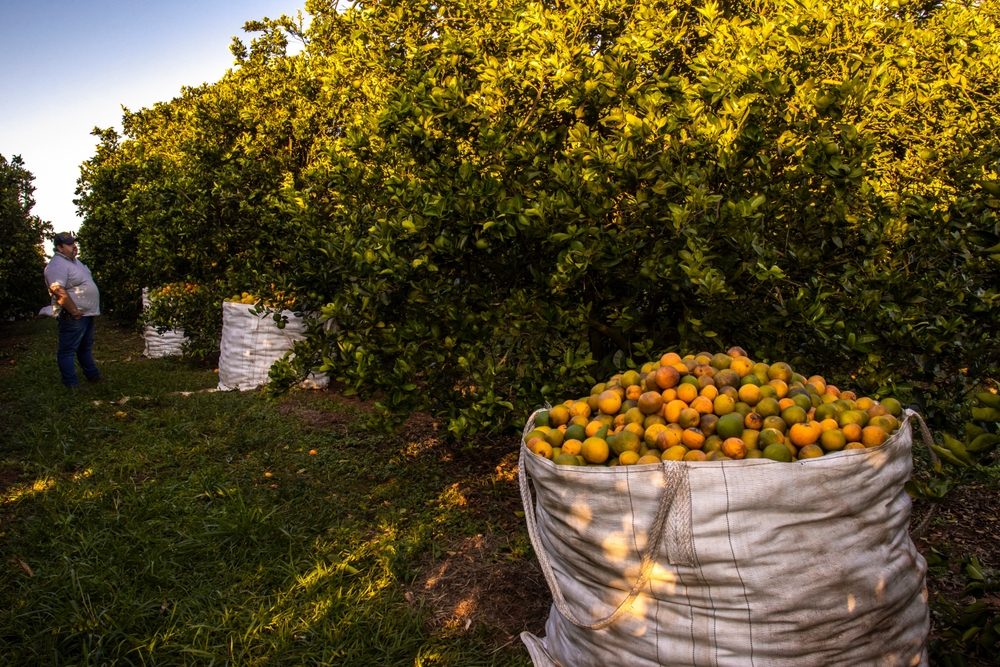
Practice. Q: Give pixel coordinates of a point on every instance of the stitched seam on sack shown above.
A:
(732, 550)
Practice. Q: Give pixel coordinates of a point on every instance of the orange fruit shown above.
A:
(741, 366)
(854, 445)
(829, 425)
(848, 395)
(887, 423)
(687, 392)
(750, 438)
(634, 416)
(672, 410)
(804, 434)
(875, 410)
(779, 370)
(723, 405)
(595, 450)
(865, 402)
(559, 415)
(689, 417)
(833, 440)
(668, 437)
(852, 432)
(633, 392)
(650, 403)
(692, 438)
(750, 394)
(695, 455)
(780, 387)
(786, 403)
(734, 448)
(572, 447)
(873, 436)
(668, 395)
(542, 449)
(651, 436)
(636, 428)
(628, 458)
(754, 420)
(593, 427)
(666, 376)
(675, 453)
(648, 459)
(609, 402)
(702, 405)
(669, 359)
(710, 392)
(810, 452)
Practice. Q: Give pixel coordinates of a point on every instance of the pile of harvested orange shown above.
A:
(709, 407)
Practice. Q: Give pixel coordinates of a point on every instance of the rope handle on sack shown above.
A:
(672, 473)
(924, 432)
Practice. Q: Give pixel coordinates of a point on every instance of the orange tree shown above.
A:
(22, 261)
(541, 187)
(499, 201)
(188, 193)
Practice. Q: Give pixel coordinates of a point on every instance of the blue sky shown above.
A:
(70, 66)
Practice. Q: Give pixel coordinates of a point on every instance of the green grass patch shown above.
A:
(198, 530)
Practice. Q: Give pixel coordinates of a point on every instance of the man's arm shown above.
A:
(65, 301)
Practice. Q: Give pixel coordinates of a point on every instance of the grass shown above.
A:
(199, 530)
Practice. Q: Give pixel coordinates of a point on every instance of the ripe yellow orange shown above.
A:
(702, 405)
(785, 403)
(693, 438)
(852, 432)
(675, 453)
(828, 425)
(734, 448)
(873, 436)
(559, 415)
(672, 411)
(711, 392)
(542, 449)
(804, 434)
(669, 359)
(687, 392)
(749, 394)
(628, 458)
(780, 387)
(668, 395)
(609, 402)
(593, 427)
(647, 459)
(595, 450)
(695, 455)
(741, 366)
(572, 447)
(854, 445)
(633, 392)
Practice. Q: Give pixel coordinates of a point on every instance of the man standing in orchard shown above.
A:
(76, 302)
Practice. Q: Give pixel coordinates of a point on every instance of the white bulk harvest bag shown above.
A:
(170, 343)
(747, 563)
(251, 343)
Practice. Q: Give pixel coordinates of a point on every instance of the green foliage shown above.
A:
(497, 202)
(194, 308)
(22, 260)
(971, 630)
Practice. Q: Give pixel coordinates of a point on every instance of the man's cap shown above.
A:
(63, 238)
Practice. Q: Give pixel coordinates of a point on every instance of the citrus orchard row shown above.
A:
(710, 407)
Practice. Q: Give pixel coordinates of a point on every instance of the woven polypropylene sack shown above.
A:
(749, 563)
(170, 343)
(251, 343)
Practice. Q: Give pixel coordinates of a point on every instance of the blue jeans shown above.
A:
(76, 339)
